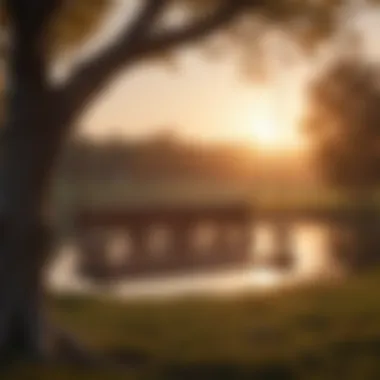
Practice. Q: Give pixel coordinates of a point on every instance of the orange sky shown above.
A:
(206, 100)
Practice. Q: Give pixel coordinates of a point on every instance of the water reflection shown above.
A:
(311, 246)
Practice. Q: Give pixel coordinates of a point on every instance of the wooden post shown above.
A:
(93, 260)
(181, 252)
(283, 255)
(139, 256)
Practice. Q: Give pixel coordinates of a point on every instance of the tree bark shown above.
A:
(29, 150)
(29, 144)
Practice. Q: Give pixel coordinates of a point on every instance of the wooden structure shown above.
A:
(136, 241)
(281, 256)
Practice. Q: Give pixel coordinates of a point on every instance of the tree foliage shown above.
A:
(73, 23)
(305, 21)
(343, 121)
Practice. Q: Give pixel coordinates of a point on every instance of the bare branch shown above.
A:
(190, 33)
(91, 76)
(148, 15)
(137, 43)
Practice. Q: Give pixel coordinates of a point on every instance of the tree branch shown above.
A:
(190, 33)
(148, 15)
(91, 76)
(137, 43)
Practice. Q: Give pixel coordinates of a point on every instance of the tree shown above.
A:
(39, 115)
(342, 122)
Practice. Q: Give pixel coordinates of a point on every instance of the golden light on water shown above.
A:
(266, 278)
(310, 247)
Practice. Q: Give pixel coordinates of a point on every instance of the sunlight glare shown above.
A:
(266, 132)
(271, 121)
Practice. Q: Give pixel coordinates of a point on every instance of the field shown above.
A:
(323, 332)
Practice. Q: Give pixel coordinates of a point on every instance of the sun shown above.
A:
(266, 132)
(271, 123)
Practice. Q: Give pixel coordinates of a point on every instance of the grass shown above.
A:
(323, 332)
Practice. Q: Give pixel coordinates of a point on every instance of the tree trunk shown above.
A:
(30, 144)
(31, 139)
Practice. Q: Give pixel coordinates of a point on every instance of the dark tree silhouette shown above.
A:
(343, 123)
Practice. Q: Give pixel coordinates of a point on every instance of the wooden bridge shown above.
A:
(116, 243)
(341, 216)
(161, 231)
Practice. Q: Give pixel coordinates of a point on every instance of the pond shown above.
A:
(313, 247)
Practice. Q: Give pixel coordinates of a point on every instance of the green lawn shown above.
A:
(325, 332)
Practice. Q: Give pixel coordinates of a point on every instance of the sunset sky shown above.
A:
(208, 100)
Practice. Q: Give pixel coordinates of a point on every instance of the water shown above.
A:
(312, 247)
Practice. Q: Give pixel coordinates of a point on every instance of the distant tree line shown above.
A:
(166, 158)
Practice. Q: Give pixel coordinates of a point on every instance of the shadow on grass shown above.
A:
(131, 357)
(352, 348)
(224, 371)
